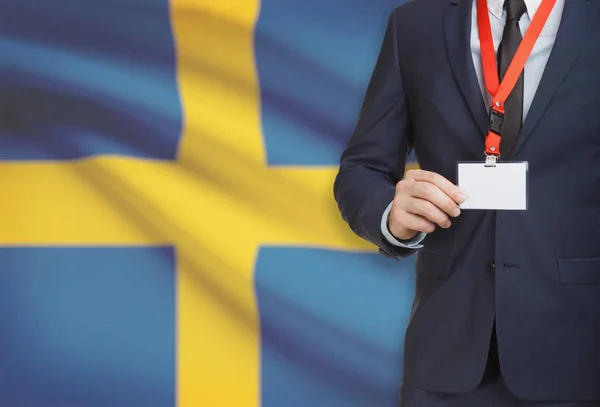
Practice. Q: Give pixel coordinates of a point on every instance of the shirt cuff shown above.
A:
(413, 243)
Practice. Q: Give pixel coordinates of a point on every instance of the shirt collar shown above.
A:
(496, 7)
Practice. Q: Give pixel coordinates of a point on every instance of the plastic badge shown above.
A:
(502, 186)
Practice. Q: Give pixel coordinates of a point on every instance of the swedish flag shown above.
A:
(167, 228)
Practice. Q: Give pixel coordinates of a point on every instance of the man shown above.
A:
(507, 303)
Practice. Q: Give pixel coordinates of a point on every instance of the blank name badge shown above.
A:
(502, 186)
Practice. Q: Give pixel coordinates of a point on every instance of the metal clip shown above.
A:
(490, 160)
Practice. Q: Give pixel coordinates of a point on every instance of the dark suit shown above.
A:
(544, 290)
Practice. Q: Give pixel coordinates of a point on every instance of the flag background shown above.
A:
(169, 235)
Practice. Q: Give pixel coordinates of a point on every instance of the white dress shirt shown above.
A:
(534, 68)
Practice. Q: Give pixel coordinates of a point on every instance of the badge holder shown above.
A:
(494, 185)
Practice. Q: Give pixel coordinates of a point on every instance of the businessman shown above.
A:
(507, 302)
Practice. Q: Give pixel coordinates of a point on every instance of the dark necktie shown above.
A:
(513, 107)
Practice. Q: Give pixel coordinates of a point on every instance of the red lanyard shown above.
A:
(501, 91)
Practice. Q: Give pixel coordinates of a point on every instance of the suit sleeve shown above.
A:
(375, 157)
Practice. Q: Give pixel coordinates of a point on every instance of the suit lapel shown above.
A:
(457, 33)
(575, 26)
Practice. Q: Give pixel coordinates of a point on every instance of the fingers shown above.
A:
(440, 182)
(428, 211)
(416, 223)
(425, 199)
(430, 193)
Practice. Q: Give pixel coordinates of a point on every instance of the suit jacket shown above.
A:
(537, 272)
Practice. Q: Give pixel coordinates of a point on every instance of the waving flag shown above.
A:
(168, 232)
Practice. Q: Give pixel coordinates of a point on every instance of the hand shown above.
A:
(423, 200)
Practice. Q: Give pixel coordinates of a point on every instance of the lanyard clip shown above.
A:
(490, 160)
(492, 140)
(496, 121)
